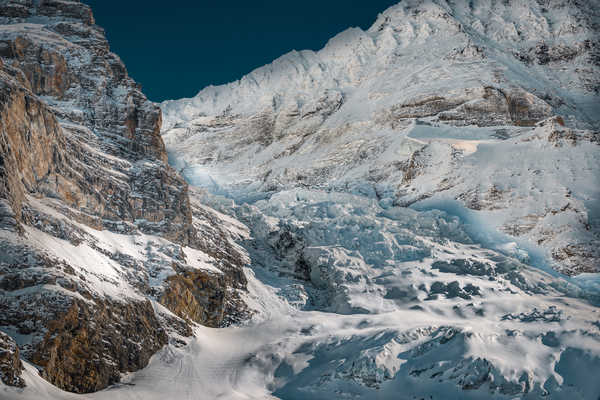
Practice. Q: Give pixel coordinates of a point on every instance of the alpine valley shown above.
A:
(412, 212)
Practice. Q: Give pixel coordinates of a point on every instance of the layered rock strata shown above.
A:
(97, 231)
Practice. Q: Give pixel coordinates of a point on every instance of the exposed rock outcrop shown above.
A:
(69, 63)
(196, 295)
(28, 157)
(10, 363)
(87, 347)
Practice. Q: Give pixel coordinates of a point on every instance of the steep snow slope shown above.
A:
(398, 112)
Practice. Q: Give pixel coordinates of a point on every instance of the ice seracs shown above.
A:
(437, 171)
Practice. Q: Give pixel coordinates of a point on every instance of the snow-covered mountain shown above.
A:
(411, 212)
(442, 101)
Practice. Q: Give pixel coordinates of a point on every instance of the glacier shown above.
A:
(414, 308)
(418, 208)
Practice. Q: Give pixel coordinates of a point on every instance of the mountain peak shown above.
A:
(495, 65)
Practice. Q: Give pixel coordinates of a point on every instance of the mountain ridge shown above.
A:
(97, 229)
(429, 62)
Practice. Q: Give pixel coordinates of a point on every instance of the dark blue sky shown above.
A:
(175, 48)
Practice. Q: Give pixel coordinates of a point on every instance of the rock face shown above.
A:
(86, 84)
(10, 363)
(26, 158)
(438, 101)
(196, 295)
(79, 354)
(96, 228)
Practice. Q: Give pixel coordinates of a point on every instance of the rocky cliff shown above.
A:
(97, 230)
(10, 363)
